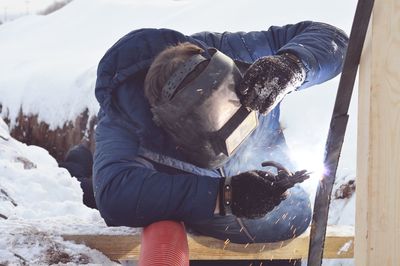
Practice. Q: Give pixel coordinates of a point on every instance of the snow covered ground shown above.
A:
(38, 202)
(48, 67)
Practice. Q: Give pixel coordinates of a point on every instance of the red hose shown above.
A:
(164, 244)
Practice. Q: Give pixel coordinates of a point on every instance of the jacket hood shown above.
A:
(119, 90)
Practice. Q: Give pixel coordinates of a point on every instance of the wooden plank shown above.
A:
(363, 150)
(378, 198)
(339, 244)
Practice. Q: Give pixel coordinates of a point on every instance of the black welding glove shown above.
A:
(253, 194)
(269, 79)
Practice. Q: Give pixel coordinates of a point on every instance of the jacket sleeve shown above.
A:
(320, 47)
(130, 192)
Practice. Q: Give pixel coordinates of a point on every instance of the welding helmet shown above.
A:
(204, 116)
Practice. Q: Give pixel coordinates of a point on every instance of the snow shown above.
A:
(12, 9)
(42, 201)
(59, 64)
(48, 68)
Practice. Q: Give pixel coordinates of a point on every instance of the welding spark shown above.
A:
(226, 243)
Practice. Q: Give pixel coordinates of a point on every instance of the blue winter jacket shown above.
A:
(139, 177)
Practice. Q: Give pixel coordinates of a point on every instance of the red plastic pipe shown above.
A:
(164, 244)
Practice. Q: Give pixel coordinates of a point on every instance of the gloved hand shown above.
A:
(269, 79)
(255, 193)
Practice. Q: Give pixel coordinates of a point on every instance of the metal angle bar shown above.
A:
(337, 131)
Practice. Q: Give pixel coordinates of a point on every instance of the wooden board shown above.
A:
(378, 163)
(339, 244)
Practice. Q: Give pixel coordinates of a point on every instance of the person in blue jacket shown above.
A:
(169, 106)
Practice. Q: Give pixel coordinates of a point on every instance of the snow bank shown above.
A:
(49, 62)
(38, 202)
